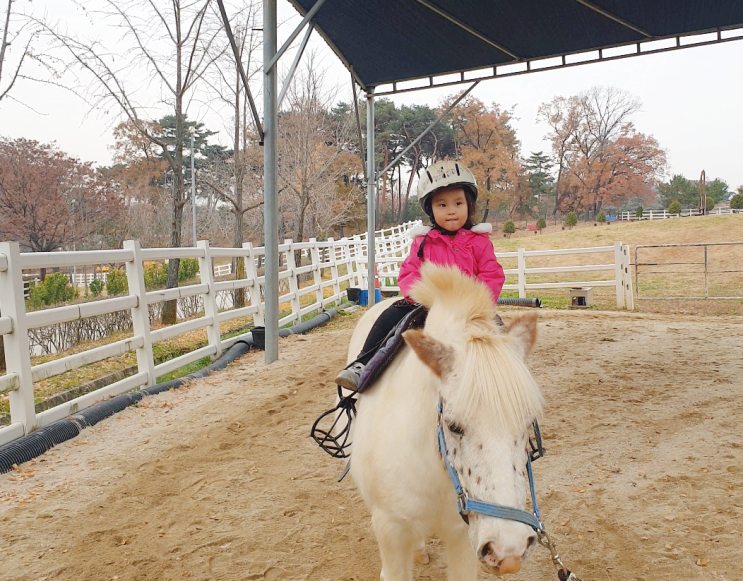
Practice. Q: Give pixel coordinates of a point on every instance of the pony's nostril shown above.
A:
(485, 550)
(531, 542)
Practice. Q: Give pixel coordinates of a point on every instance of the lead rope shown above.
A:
(563, 573)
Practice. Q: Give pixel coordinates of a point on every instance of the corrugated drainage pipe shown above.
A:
(39, 441)
(535, 303)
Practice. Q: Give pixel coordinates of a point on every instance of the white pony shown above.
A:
(489, 399)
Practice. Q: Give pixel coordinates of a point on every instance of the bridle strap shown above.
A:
(465, 505)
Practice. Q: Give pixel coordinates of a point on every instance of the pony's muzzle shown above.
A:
(494, 563)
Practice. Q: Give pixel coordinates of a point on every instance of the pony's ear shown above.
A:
(523, 334)
(435, 354)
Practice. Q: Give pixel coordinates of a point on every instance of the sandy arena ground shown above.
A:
(220, 480)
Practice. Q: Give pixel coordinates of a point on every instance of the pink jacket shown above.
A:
(470, 250)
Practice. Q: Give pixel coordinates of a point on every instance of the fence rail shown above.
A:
(665, 215)
(320, 278)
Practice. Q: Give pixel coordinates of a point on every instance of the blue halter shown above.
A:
(466, 505)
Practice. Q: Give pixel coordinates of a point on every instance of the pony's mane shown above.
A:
(492, 377)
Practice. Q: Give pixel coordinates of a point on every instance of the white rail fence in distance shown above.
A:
(331, 267)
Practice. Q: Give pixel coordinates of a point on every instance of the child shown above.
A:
(447, 192)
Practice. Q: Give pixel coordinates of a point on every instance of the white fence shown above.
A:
(326, 260)
(332, 263)
(664, 215)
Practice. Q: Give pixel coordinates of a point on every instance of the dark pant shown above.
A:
(382, 326)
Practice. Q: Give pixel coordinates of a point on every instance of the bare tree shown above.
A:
(242, 175)
(18, 30)
(317, 160)
(170, 44)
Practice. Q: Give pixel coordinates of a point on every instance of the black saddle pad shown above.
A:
(415, 319)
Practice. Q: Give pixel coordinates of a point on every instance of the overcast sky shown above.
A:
(691, 103)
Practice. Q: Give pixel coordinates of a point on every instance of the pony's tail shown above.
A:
(457, 293)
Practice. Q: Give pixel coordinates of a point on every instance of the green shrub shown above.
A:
(674, 207)
(541, 224)
(189, 268)
(710, 203)
(571, 219)
(117, 284)
(155, 275)
(509, 228)
(639, 211)
(55, 289)
(96, 287)
(601, 217)
(736, 203)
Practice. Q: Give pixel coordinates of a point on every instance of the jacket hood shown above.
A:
(421, 230)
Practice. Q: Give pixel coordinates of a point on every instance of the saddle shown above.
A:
(391, 344)
(336, 443)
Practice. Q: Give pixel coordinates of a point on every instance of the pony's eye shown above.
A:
(455, 429)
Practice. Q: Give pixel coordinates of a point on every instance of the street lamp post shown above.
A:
(191, 130)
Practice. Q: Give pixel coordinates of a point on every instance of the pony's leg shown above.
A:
(421, 557)
(395, 548)
(460, 557)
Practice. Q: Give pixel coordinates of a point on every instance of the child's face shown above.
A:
(450, 209)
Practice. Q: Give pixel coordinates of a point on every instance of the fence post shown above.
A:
(206, 269)
(140, 313)
(629, 297)
(17, 349)
(522, 273)
(251, 273)
(316, 274)
(618, 275)
(334, 270)
(291, 265)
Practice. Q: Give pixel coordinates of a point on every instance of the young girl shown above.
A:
(447, 192)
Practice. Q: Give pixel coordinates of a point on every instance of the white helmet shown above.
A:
(441, 175)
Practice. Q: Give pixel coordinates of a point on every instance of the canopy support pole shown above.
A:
(241, 69)
(371, 212)
(425, 132)
(610, 16)
(270, 183)
(468, 28)
(358, 118)
(278, 54)
(293, 69)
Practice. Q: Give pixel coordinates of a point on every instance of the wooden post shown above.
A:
(316, 274)
(629, 297)
(17, 349)
(334, 271)
(206, 269)
(522, 273)
(291, 265)
(251, 273)
(618, 275)
(140, 313)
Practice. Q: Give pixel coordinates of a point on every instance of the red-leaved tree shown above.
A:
(49, 200)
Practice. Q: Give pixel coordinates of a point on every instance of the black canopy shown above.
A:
(388, 41)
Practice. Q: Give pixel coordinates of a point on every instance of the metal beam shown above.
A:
(533, 66)
(293, 35)
(239, 64)
(293, 68)
(610, 16)
(358, 118)
(371, 211)
(394, 162)
(468, 28)
(270, 183)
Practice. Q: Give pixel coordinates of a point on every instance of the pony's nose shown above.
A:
(489, 557)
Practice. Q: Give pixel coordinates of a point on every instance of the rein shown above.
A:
(467, 505)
